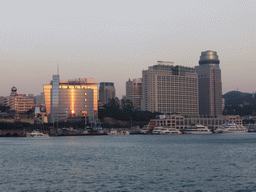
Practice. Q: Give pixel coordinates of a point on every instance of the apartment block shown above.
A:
(170, 89)
(134, 92)
(106, 91)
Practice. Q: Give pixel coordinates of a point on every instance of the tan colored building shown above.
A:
(134, 92)
(209, 84)
(19, 103)
(18, 117)
(77, 97)
(170, 89)
(182, 122)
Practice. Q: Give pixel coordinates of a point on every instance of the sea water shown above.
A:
(216, 162)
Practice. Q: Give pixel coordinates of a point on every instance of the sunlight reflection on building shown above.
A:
(78, 97)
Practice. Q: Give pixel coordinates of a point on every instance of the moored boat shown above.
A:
(169, 131)
(36, 134)
(197, 129)
(231, 128)
(157, 130)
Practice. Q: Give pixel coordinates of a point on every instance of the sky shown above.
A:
(112, 41)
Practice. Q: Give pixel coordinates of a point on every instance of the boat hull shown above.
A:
(197, 133)
(223, 131)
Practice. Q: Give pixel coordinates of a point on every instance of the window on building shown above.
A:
(84, 113)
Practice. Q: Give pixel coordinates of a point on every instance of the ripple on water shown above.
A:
(129, 163)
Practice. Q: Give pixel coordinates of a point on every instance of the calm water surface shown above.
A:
(217, 162)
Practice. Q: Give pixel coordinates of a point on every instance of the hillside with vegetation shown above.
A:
(239, 103)
(239, 98)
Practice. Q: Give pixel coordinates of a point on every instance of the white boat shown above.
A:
(125, 132)
(251, 127)
(197, 129)
(169, 131)
(144, 131)
(36, 134)
(231, 128)
(157, 130)
(115, 132)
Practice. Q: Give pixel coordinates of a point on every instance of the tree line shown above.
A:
(123, 110)
(240, 110)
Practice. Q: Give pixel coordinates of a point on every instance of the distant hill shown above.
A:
(237, 98)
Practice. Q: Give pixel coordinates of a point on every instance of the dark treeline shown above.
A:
(23, 125)
(240, 110)
(42, 127)
(69, 123)
(125, 111)
(13, 126)
(4, 108)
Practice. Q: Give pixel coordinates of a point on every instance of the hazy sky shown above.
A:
(113, 41)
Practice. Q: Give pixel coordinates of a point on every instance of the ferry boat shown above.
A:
(115, 132)
(231, 128)
(157, 130)
(169, 131)
(197, 129)
(251, 127)
(36, 134)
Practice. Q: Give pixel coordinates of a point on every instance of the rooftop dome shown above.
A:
(209, 57)
(14, 89)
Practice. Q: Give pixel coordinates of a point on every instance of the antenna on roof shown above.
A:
(57, 68)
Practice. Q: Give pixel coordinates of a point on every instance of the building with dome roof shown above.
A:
(19, 103)
(209, 84)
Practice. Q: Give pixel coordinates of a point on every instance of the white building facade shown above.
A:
(170, 89)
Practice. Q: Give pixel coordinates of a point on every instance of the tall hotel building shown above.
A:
(77, 97)
(209, 84)
(106, 91)
(170, 89)
(134, 92)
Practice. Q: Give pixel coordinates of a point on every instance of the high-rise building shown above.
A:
(209, 84)
(39, 99)
(170, 89)
(19, 103)
(134, 92)
(77, 97)
(2, 100)
(106, 91)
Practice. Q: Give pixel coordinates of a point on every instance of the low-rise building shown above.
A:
(182, 122)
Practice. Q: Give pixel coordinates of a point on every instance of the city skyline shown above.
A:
(116, 41)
